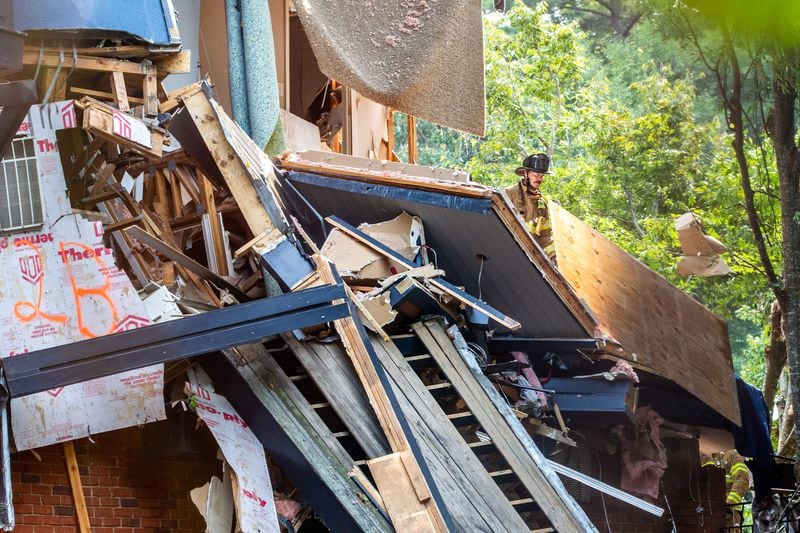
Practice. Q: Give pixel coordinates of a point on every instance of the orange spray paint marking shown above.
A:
(82, 292)
(32, 270)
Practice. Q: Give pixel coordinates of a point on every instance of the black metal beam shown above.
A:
(15, 100)
(11, 46)
(209, 332)
(542, 346)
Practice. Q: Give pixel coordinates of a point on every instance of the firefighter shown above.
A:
(737, 481)
(527, 198)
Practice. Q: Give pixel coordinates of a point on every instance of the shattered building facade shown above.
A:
(198, 337)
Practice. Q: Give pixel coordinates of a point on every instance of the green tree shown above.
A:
(533, 84)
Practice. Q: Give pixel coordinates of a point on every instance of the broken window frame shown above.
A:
(13, 216)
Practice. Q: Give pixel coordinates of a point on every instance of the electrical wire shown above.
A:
(480, 274)
(602, 498)
(669, 509)
(431, 250)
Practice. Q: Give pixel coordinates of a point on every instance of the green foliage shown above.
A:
(633, 127)
(533, 85)
(633, 148)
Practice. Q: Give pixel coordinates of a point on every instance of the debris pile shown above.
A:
(346, 318)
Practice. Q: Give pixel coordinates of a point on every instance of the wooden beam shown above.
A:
(77, 488)
(231, 166)
(119, 91)
(387, 417)
(505, 430)
(100, 95)
(332, 371)
(412, 139)
(217, 238)
(380, 176)
(187, 262)
(51, 58)
(474, 500)
(150, 91)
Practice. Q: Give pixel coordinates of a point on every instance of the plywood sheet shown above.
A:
(668, 331)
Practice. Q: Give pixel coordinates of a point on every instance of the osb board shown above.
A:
(666, 329)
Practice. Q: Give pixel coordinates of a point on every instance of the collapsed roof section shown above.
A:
(412, 56)
(632, 312)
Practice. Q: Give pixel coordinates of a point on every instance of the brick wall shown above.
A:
(126, 489)
(687, 487)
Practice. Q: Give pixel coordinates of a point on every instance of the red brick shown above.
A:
(29, 518)
(101, 491)
(109, 502)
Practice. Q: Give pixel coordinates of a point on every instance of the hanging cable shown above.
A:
(600, 478)
(480, 274)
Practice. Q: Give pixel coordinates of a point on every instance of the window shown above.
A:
(20, 199)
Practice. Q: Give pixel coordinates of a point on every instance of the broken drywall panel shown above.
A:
(380, 310)
(354, 259)
(700, 251)
(61, 285)
(300, 134)
(402, 234)
(255, 506)
(214, 501)
(369, 133)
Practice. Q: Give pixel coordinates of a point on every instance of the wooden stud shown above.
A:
(52, 57)
(77, 488)
(412, 139)
(150, 91)
(101, 95)
(387, 417)
(207, 199)
(176, 201)
(119, 91)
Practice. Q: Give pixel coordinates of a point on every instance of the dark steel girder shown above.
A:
(167, 341)
(542, 346)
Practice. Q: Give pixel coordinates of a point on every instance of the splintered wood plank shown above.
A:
(52, 58)
(473, 499)
(77, 488)
(666, 330)
(103, 95)
(150, 91)
(229, 162)
(397, 491)
(333, 373)
(217, 238)
(505, 430)
(185, 261)
(120, 92)
(312, 439)
(356, 348)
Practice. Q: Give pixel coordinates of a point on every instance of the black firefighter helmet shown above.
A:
(539, 163)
